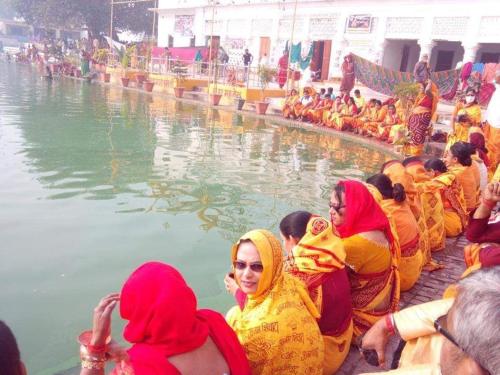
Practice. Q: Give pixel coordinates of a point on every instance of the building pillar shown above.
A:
(470, 52)
(339, 47)
(426, 47)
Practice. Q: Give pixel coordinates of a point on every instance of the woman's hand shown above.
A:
(230, 284)
(101, 328)
(492, 192)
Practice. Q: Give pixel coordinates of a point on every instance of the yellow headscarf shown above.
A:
(277, 326)
(319, 250)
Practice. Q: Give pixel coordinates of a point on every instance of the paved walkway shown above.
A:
(430, 286)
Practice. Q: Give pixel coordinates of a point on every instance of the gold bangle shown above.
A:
(93, 365)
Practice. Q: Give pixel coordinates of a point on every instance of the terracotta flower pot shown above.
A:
(125, 81)
(106, 77)
(148, 86)
(215, 99)
(261, 108)
(178, 91)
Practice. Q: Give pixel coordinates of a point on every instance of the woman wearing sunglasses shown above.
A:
(276, 323)
(370, 253)
(316, 256)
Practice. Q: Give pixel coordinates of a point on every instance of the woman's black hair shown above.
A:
(389, 191)
(10, 357)
(411, 159)
(351, 100)
(382, 168)
(463, 152)
(435, 164)
(295, 224)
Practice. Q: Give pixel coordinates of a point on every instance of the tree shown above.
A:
(95, 14)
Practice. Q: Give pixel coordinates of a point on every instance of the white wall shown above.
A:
(422, 20)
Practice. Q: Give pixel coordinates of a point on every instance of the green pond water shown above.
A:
(95, 180)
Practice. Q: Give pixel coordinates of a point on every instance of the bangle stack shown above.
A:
(389, 324)
(93, 359)
(490, 204)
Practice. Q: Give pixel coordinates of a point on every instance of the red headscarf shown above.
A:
(363, 214)
(477, 139)
(164, 321)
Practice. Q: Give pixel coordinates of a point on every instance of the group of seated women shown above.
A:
(343, 112)
(301, 302)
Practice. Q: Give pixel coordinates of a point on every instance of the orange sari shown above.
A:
(372, 127)
(468, 178)
(397, 173)
(288, 107)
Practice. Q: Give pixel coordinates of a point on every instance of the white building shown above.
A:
(391, 32)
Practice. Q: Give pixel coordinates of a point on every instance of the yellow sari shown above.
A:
(277, 326)
(492, 137)
(461, 133)
(374, 281)
(468, 178)
(290, 101)
(432, 205)
(452, 195)
(318, 254)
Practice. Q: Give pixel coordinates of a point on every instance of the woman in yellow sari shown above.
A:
(316, 256)
(334, 112)
(371, 254)
(466, 114)
(365, 115)
(346, 118)
(459, 162)
(391, 119)
(290, 101)
(420, 118)
(276, 324)
(371, 127)
(432, 204)
(323, 106)
(397, 173)
(452, 195)
(396, 208)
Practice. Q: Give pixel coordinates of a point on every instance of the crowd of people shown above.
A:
(399, 121)
(329, 284)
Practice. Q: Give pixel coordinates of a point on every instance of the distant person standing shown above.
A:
(348, 75)
(422, 71)
(247, 61)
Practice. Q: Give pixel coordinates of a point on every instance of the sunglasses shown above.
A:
(335, 207)
(255, 267)
(441, 327)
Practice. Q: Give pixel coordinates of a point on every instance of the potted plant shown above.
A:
(180, 72)
(125, 62)
(265, 76)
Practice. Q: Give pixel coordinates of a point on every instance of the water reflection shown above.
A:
(95, 180)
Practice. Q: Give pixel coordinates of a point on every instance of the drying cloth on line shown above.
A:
(478, 67)
(296, 55)
(384, 80)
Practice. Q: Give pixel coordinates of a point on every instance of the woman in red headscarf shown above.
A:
(167, 332)
(371, 253)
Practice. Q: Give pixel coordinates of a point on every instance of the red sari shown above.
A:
(282, 70)
(163, 321)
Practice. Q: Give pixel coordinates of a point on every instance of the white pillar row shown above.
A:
(339, 45)
(470, 52)
(426, 47)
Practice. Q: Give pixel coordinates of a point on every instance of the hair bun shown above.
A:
(398, 191)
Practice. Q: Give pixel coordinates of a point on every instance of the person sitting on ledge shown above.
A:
(452, 336)
(371, 253)
(10, 357)
(371, 127)
(323, 106)
(391, 119)
(169, 335)
(303, 104)
(359, 100)
(290, 101)
(276, 321)
(345, 120)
